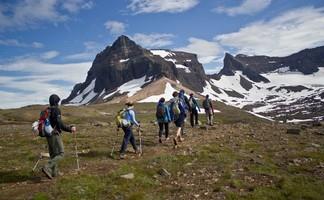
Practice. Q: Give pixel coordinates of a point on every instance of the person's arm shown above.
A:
(60, 123)
(133, 119)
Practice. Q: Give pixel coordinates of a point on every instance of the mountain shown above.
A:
(276, 87)
(125, 68)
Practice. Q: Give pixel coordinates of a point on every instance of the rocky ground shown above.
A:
(240, 157)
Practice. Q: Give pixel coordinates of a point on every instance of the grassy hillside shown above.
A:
(241, 157)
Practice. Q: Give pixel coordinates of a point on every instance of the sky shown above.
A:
(47, 46)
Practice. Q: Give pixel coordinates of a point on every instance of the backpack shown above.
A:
(43, 126)
(206, 104)
(122, 119)
(175, 108)
(160, 112)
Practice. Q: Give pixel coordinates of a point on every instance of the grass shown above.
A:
(223, 162)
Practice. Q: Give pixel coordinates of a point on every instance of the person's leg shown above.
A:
(211, 119)
(166, 126)
(56, 149)
(132, 139)
(59, 151)
(192, 118)
(125, 140)
(207, 116)
(196, 116)
(160, 131)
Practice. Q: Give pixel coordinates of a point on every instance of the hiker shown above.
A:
(178, 115)
(194, 110)
(163, 119)
(55, 144)
(129, 116)
(185, 102)
(209, 110)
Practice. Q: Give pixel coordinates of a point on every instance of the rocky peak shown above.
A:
(232, 64)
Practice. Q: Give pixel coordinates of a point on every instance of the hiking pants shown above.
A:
(56, 152)
(128, 136)
(164, 126)
(194, 117)
(209, 116)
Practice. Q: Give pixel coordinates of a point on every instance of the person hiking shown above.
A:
(178, 114)
(194, 110)
(55, 144)
(187, 108)
(129, 116)
(209, 110)
(163, 118)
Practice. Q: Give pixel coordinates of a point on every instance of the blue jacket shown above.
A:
(166, 118)
(130, 116)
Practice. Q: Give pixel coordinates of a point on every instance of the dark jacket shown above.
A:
(55, 116)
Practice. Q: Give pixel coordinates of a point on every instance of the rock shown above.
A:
(196, 195)
(318, 133)
(294, 131)
(128, 176)
(316, 122)
(164, 172)
(316, 145)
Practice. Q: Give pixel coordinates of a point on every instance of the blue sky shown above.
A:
(48, 45)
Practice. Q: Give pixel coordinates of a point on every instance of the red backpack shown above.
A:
(44, 126)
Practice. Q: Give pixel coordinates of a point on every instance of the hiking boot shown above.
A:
(180, 139)
(122, 156)
(47, 173)
(160, 140)
(175, 142)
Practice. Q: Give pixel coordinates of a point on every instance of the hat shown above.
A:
(129, 103)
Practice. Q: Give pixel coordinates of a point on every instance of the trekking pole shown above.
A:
(39, 158)
(76, 151)
(140, 140)
(114, 145)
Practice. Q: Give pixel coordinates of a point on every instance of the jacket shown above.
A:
(55, 116)
(166, 118)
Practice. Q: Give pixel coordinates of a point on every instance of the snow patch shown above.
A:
(123, 60)
(167, 94)
(187, 70)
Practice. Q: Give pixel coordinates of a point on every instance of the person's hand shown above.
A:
(73, 129)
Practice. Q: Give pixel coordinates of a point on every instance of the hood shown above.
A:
(54, 100)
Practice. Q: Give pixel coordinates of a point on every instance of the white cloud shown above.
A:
(115, 27)
(49, 55)
(154, 40)
(156, 6)
(283, 35)
(42, 80)
(30, 13)
(89, 53)
(16, 43)
(207, 51)
(248, 7)
(75, 6)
